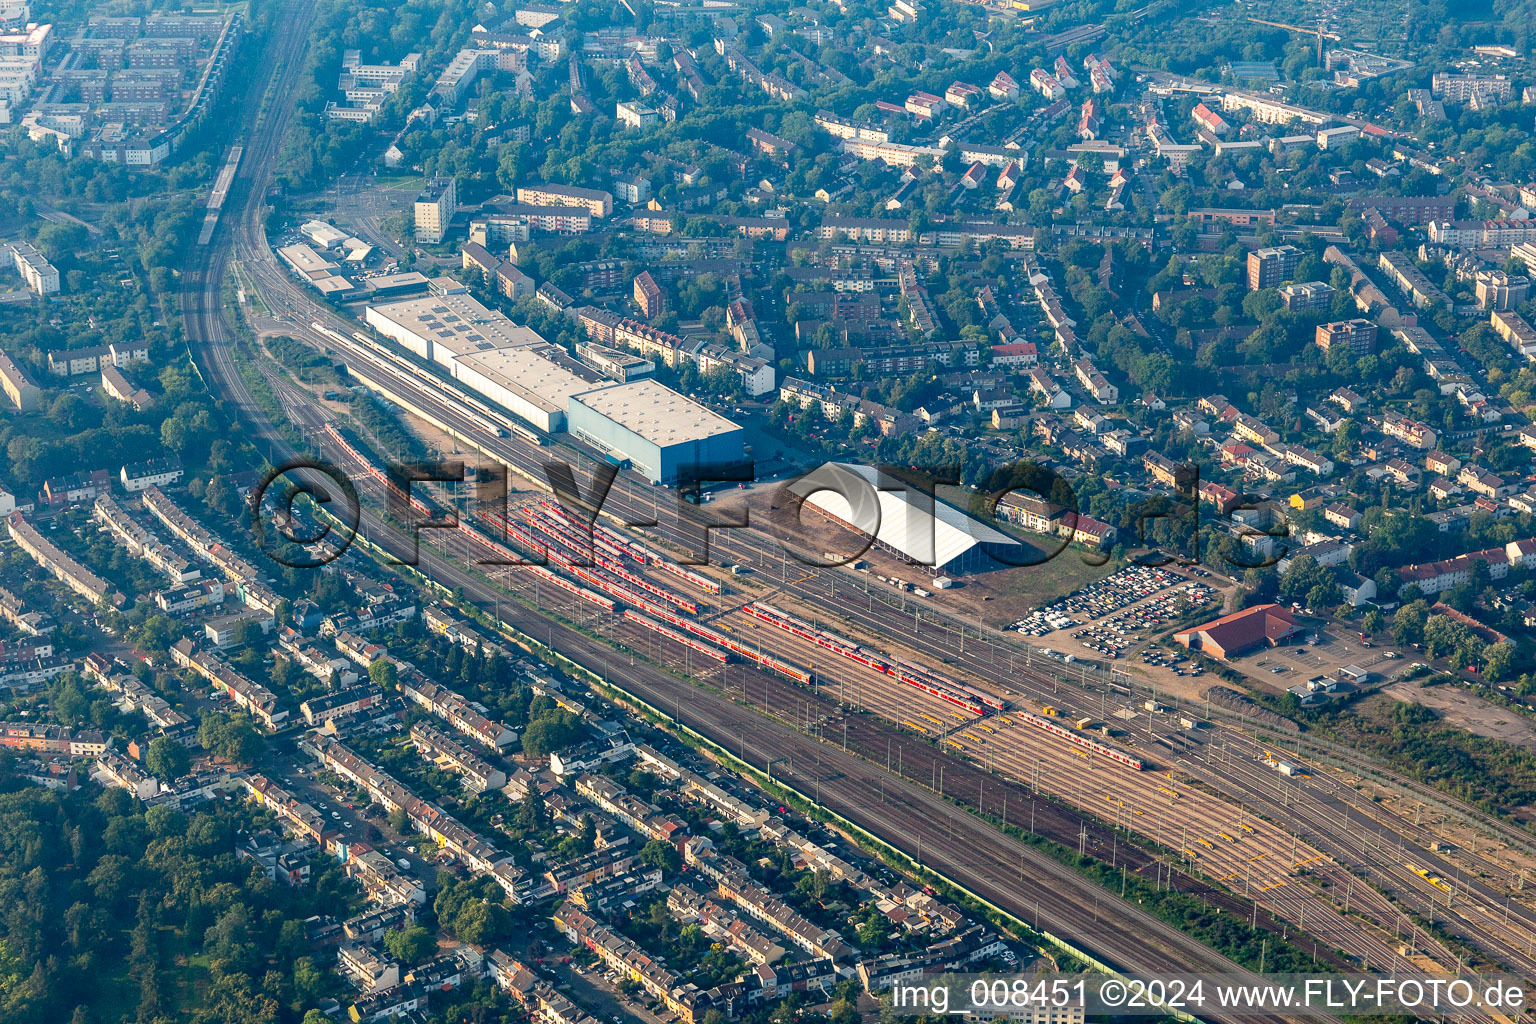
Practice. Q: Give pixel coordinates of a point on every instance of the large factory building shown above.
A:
(525, 382)
(646, 423)
(656, 429)
(486, 353)
(440, 328)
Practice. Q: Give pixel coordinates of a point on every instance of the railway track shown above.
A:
(983, 659)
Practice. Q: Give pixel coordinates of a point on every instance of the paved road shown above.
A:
(1329, 822)
(905, 813)
(1011, 874)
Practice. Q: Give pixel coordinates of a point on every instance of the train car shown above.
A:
(989, 700)
(355, 452)
(1077, 739)
(712, 653)
(645, 555)
(601, 537)
(564, 584)
(577, 544)
(924, 680)
(702, 582)
(624, 594)
(536, 548)
(768, 661)
(528, 434)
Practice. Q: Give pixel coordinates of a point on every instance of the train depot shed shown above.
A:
(905, 520)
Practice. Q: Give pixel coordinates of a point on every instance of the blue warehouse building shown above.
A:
(655, 429)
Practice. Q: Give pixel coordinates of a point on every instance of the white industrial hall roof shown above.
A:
(900, 517)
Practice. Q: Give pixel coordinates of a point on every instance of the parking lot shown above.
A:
(1113, 615)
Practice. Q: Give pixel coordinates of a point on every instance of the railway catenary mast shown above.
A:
(1078, 739)
(974, 700)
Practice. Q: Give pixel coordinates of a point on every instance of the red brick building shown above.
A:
(648, 295)
(1240, 632)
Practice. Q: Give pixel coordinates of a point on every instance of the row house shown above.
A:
(723, 925)
(15, 612)
(252, 697)
(381, 879)
(456, 711)
(645, 818)
(478, 774)
(337, 704)
(125, 774)
(1305, 458)
(64, 568)
(736, 885)
(1097, 384)
(53, 739)
(297, 816)
(1162, 468)
(638, 966)
(1436, 577)
(462, 842)
(604, 863)
(1052, 394)
(1003, 88)
(974, 945)
(76, 361)
(1409, 431)
(141, 543)
(1516, 332)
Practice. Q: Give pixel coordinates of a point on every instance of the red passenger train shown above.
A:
(961, 695)
(1074, 737)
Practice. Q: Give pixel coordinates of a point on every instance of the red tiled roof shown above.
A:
(1264, 623)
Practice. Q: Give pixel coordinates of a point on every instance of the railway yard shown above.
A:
(1356, 876)
(1199, 796)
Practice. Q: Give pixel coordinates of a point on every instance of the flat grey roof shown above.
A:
(656, 412)
(457, 323)
(529, 374)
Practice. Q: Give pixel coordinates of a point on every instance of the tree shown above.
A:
(1497, 659)
(411, 944)
(532, 815)
(166, 759)
(1408, 622)
(383, 673)
(548, 732)
(660, 854)
(586, 836)
(481, 922)
(1442, 635)
(231, 737)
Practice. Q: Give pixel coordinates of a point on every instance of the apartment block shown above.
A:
(1271, 267)
(434, 210)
